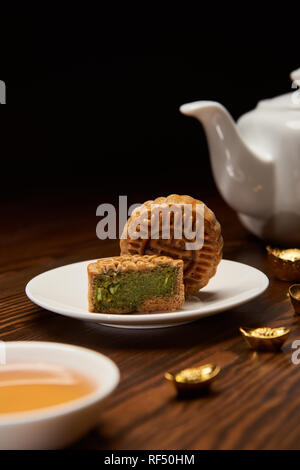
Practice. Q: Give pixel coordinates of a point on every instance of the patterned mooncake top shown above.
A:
(131, 263)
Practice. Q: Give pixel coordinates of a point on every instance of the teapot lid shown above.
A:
(288, 101)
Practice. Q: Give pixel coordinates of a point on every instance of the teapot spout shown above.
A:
(244, 179)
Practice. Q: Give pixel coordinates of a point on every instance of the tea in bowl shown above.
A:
(50, 393)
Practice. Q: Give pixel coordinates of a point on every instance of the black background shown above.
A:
(93, 92)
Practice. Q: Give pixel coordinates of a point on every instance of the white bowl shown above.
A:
(57, 426)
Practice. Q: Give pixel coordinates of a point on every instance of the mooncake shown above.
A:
(124, 284)
(200, 262)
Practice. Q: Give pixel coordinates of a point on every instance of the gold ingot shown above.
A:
(265, 338)
(194, 380)
(285, 263)
(294, 293)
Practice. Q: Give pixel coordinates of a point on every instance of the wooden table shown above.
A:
(255, 403)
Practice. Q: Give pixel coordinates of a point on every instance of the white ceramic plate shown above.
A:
(64, 291)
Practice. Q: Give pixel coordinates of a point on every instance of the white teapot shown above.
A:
(256, 162)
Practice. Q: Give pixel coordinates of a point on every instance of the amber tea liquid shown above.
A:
(25, 387)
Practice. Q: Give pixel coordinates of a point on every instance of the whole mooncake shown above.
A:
(124, 284)
(199, 245)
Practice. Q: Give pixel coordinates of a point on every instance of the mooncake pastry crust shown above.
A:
(199, 265)
(131, 263)
(138, 263)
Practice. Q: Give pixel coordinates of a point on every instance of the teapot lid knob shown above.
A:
(288, 101)
(295, 76)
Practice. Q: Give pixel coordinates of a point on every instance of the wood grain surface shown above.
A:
(254, 404)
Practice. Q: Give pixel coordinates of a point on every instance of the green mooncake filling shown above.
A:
(128, 290)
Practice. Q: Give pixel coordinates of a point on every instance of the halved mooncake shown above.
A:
(126, 284)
